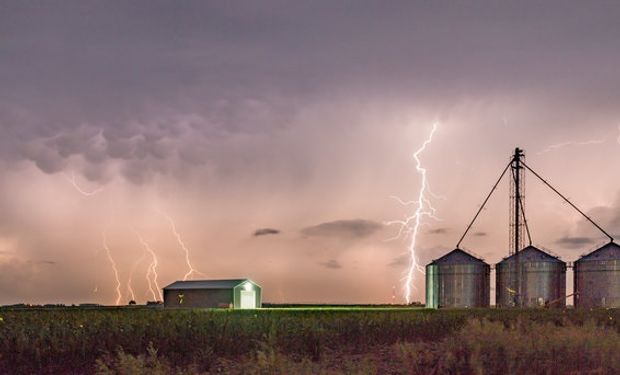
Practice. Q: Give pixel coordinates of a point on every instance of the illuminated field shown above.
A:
(308, 340)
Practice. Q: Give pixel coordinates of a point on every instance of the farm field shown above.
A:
(309, 341)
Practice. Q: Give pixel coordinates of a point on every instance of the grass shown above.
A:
(309, 340)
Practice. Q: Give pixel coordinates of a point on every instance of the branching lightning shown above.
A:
(71, 178)
(114, 268)
(132, 294)
(151, 273)
(191, 269)
(410, 226)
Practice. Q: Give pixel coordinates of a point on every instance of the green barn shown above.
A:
(235, 293)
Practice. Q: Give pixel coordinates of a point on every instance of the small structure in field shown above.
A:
(235, 294)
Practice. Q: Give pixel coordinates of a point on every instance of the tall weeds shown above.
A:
(357, 340)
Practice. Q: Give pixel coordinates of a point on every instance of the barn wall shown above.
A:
(199, 298)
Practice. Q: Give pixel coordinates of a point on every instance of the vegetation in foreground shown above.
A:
(399, 341)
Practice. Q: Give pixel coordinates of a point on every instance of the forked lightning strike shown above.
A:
(113, 263)
(151, 274)
(410, 226)
(191, 269)
(132, 294)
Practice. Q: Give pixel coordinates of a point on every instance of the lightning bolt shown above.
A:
(130, 290)
(151, 273)
(190, 268)
(77, 187)
(410, 226)
(556, 146)
(113, 263)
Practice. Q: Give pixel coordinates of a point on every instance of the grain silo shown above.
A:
(542, 280)
(457, 279)
(597, 278)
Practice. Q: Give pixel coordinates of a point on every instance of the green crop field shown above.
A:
(309, 341)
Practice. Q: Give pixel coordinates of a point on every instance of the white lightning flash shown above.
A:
(113, 263)
(151, 273)
(77, 187)
(191, 269)
(410, 226)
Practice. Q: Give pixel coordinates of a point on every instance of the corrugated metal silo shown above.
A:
(457, 279)
(543, 280)
(597, 278)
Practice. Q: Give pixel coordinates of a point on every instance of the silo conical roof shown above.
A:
(609, 251)
(532, 254)
(458, 256)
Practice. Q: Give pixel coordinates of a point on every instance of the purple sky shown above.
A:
(274, 133)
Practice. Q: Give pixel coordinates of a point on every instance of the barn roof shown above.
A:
(206, 284)
(532, 254)
(458, 256)
(610, 251)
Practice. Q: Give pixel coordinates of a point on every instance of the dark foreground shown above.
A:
(310, 341)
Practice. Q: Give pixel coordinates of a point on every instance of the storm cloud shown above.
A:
(265, 232)
(356, 228)
(574, 242)
(331, 264)
(151, 87)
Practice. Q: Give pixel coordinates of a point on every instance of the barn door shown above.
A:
(248, 299)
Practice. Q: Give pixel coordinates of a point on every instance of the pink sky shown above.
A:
(297, 118)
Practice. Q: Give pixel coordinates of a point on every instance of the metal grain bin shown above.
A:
(457, 279)
(542, 281)
(597, 278)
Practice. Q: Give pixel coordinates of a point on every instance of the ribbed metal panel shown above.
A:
(542, 281)
(457, 280)
(597, 278)
(432, 286)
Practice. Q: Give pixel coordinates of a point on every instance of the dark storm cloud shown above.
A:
(331, 264)
(439, 231)
(574, 242)
(357, 228)
(608, 217)
(265, 232)
(140, 84)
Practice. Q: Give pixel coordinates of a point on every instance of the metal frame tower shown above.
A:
(517, 195)
(517, 187)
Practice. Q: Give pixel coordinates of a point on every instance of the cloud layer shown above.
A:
(356, 228)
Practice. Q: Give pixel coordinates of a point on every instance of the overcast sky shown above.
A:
(274, 133)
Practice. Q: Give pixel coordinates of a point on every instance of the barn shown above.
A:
(236, 293)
